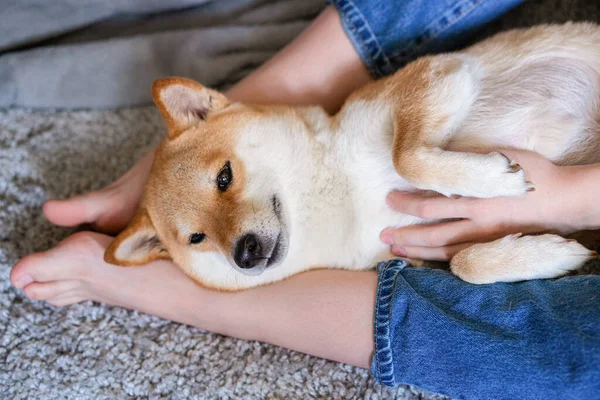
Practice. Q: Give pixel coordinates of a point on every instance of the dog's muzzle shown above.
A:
(249, 252)
(254, 253)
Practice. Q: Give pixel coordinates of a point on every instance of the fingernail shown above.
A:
(399, 251)
(389, 200)
(387, 239)
(23, 281)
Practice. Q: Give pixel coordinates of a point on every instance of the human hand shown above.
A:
(554, 206)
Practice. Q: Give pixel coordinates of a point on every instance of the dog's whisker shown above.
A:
(231, 269)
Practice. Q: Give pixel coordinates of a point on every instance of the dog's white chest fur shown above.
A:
(364, 147)
(333, 184)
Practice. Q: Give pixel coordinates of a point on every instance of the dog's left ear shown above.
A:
(183, 102)
(138, 244)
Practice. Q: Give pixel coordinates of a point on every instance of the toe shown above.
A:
(22, 273)
(65, 300)
(71, 259)
(85, 244)
(68, 212)
(49, 290)
(108, 210)
(41, 267)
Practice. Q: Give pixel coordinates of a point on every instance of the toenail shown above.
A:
(23, 281)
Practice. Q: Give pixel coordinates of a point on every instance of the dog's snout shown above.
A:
(249, 252)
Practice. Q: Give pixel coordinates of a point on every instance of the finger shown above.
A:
(443, 253)
(49, 290)
(437, 235)
(436, 207)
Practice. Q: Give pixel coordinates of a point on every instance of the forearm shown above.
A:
(326, 313)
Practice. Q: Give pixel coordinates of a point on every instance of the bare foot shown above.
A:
(75, 271)
(304, 313)
(107, 210)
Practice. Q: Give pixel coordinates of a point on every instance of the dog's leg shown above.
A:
(427, 112)
(518, 258)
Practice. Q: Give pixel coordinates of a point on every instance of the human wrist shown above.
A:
(583, 185)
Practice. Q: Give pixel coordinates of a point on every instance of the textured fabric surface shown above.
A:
(92, 351)
(30, 21)
(543, 335)
(106, 54)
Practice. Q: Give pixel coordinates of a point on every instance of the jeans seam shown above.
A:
(375, 321)
(388, 275)
(435, 28)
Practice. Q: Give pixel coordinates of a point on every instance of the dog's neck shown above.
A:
(339, 204)
(319, 196)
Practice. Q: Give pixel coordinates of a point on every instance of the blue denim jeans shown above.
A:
(530, 340)
(388, 34)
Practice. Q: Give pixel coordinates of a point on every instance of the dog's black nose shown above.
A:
(248, 252)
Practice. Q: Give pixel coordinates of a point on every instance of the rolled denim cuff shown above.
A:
(389, 34)
(361, 36)
(382, 365)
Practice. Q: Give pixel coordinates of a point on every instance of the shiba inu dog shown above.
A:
(243, 195)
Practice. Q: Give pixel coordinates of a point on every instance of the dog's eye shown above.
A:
(197, 237)
(225, 177)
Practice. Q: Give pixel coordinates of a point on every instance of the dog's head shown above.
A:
(214, 201)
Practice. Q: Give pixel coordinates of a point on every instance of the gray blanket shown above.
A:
(89, 350)
(107, 53)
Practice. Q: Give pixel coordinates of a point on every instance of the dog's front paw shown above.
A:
(503, 177)
(492, 175)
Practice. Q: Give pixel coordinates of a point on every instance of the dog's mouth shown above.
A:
(275, 256)
(276, 249)
(278, 252)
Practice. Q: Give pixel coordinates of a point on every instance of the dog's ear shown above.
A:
(138, 244)
(183, 102)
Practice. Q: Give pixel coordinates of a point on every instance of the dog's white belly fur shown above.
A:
(545, 98)
(335, 202)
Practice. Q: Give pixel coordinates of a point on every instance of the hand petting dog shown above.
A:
(556, 205)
